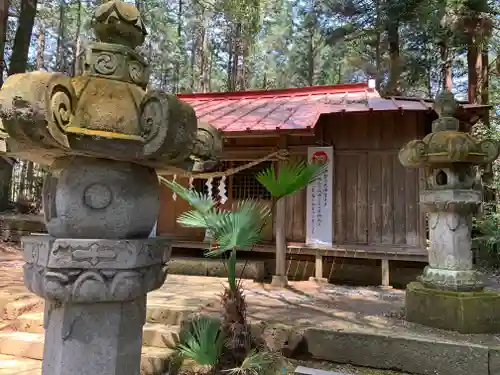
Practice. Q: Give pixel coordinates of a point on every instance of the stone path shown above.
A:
(362, 312)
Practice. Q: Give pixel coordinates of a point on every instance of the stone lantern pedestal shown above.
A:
(96, 266)
(103, 137)
(450, 294)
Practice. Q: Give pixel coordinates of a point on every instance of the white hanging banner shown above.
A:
(320, 199)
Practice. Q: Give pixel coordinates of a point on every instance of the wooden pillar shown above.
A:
(318, 270)
(319, 267)
(280, 277)
(385, 273)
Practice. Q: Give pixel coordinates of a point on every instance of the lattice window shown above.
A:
(245, 185)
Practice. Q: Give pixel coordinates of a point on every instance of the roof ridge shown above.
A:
(296, 91)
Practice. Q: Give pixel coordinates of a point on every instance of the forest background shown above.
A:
(409, 47)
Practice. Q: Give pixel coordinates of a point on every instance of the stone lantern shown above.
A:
(450, 294)
(103, 136)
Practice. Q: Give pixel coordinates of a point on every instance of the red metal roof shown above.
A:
(295, 109)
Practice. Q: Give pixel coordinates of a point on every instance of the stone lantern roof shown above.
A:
(105, 112)
(446, 144)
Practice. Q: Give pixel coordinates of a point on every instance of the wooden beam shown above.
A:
(252, 153)
(339, 251)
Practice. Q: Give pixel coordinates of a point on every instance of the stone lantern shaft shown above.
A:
(450, 294)
(103, 137)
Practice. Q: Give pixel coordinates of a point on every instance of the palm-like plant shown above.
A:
(240, 228)
(201, 344)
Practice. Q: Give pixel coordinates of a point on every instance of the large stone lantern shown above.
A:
(103, 136)
(450, 294)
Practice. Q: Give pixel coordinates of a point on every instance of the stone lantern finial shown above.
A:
(119, 23)
(446, 107)
(445, 104)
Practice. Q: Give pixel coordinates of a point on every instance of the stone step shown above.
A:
(157, 313)
(22, 345)
(169, 315)
(160, 336)
(30, 322)
(153, 334)
(10, 365)
(12, 307)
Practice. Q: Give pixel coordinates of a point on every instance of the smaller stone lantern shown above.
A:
(450, 294)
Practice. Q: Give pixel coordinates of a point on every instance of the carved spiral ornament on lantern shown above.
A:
(154, 122)
(412, 153)
(106, 63)
(60, 104)
(490, 149)
(151, 117)
(135, 71)
(62, 99)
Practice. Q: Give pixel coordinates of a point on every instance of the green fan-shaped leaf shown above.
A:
(240, 228)
(199, 201)
(192, 219)
(290, 177)
(202, 343)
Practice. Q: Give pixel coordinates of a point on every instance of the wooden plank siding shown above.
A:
(375, 197)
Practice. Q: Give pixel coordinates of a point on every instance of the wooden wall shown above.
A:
(375, 198)
(170, 210)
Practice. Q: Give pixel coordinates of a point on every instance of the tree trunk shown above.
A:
(474, 67)
(210, 69)
(5, 181)
(310, 59)
(18, 62)
(230, 48)
(40, 48)
(446, 66)
(203, 53)
(378, 52)
(193, 63)
(177, 71)
(4, 18)
(244, 71)
(236, 55)
(61, 38)
(22, 39)
(77, 42)
(395, 70)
